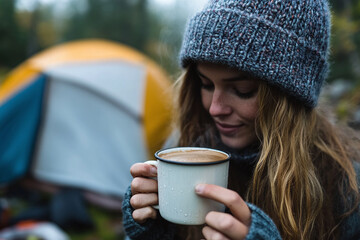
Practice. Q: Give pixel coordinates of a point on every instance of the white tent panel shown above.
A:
(122, 81)
(82, 141)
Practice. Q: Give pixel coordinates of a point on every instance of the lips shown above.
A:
(227, 129)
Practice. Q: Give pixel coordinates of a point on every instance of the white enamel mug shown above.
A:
(177, 178)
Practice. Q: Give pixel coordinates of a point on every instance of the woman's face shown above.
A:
(230, 96)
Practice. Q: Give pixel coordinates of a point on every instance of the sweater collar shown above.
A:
(248, 155)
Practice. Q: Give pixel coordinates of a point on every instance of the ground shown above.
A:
(16, 200)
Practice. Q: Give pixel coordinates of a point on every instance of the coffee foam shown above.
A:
(201, 156)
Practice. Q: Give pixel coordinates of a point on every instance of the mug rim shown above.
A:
(191, 148)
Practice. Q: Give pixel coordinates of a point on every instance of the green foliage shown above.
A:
(343, 48)
(119, 20)
(3, 72)
(130, 22)
(12, 40)
(108, 226)
(345, 40)
(343, 109)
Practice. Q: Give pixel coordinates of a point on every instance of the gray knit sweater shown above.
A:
(262, 227)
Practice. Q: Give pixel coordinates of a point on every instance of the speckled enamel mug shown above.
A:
(179, 171)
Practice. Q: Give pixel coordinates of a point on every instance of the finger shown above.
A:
(227, 224)
(142, 200)
(143, 185)
(142, 214)
(212, 234)
(229, 198)
(143, 170)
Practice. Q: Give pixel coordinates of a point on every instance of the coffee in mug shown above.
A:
(179, 171)
(193, 156)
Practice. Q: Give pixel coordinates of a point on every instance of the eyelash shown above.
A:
(247, 95)
(207, 86)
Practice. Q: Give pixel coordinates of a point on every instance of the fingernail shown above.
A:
(153, 170)
(199, 188)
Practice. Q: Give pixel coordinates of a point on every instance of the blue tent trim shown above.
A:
(19, 121)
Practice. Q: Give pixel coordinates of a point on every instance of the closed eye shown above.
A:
(205, 83)
(207, 86)
(245, 95)
(239, 85)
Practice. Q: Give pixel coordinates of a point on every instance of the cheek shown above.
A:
(206, 99)
(253, 112)
(249, 110)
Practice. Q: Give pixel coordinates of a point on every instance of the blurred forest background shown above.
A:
(152, 26)
(155, 28)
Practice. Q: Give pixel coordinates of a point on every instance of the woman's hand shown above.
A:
(144, 192)
(223, 225)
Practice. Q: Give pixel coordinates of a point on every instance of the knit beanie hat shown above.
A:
(284, 42)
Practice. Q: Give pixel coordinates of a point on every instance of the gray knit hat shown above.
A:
(284, 42)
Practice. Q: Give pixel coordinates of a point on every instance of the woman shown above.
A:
(254, 71)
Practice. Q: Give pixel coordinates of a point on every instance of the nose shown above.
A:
(219, 104)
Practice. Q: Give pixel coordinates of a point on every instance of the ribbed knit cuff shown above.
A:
(150, 230)
(132, 229)
(262, 227)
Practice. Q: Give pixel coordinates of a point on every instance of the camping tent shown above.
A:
(81, 113)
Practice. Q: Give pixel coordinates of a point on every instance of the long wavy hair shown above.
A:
(305, 166)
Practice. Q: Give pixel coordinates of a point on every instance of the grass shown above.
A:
(107, 223)
(108, 226)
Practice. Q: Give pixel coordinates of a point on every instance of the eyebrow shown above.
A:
(232, 79)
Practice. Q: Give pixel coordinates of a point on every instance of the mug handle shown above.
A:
(153, 163)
